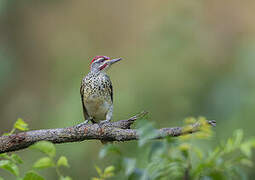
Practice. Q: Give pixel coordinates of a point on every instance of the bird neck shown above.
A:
(97, 72)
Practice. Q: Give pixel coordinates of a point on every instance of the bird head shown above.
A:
(102, 63)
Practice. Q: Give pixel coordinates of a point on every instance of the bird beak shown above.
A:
(112, 61)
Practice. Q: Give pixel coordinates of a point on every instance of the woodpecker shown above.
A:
(97, 92)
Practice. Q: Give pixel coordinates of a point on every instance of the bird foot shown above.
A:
(82, 124)
(104, 121)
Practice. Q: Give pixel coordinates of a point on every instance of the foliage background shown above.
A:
(181, 58)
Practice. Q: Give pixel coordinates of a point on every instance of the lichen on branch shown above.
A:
(112, 131)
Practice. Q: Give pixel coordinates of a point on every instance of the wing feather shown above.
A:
(111, 91)
(85, 112)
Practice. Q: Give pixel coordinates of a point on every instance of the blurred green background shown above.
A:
(181, 58)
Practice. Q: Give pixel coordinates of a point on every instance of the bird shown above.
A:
(96, 91)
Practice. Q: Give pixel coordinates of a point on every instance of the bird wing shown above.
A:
(85, 112)
(110, 89)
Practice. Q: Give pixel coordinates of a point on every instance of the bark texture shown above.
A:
(113, 131)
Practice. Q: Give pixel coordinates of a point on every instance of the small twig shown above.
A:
(112, 131)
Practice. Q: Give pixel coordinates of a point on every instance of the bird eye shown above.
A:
(101, 60)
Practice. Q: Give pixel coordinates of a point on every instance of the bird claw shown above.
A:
(104, 121)
(82, 124)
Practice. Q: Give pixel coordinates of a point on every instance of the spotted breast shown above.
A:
(96, 91)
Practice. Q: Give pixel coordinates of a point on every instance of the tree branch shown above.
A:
(113, 131)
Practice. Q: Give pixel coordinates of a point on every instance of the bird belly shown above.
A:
(97, 108)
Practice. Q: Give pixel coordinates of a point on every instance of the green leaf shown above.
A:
(247, 146)
(9, 166)
(31, 175)
(146, 132)
(21, 125)
(145, 176)
(198, 152)
(109, 169)
(4, 155)
(247, 162)
(65, 178)
(62, 161)
(6, 134)
(95, 178)
(16, 159)
(44, 162)
(99, 171)
(109, 148)
(45, 147)
(129, 166)
(155, 147)
(238, 136)
(1, 178)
